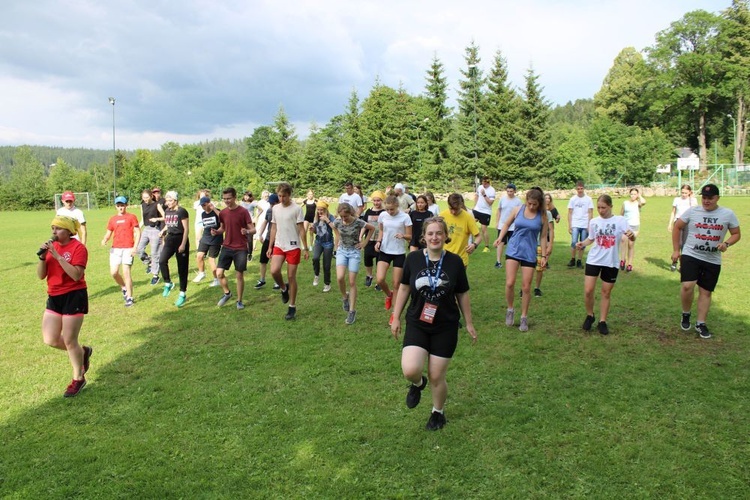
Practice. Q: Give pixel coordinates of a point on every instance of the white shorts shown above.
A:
(119, 256)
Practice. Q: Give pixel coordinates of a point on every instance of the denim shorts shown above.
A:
(579, 234)
(349, 257)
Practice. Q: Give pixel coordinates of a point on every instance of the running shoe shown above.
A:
(326, 288)
(167, 289)
(291, 313)
(351, 317)
(199, 277)
(74, 388)
(537, 292)
(572, 263)
(377, 288)
(368, 281)
(629, 268)
(579, 264)
(316, 280)
(622, 265)
(155, 280)
(486, 250)
(602, 327)
(181, 299)
(685, 323)
(388, 302)
(276, 286)
(215, 282)
(285, 293)
(224, 299)
(129, 302)
(436, 421)
(588, 323)
(509, 317)
(345, 304)
(124, 294)
(415, 393)
(240, 305)
(702, 330)
(260, 284)
(498, 265)
(524, 326)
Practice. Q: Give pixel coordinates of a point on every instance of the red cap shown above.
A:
(156, 189)
(68, 195)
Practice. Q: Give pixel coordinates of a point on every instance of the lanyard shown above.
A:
(434, 279)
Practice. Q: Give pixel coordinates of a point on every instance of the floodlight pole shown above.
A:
(114, 151)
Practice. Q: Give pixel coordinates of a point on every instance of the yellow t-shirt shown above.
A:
(459, 228)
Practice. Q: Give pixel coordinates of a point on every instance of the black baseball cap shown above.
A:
(710, 190)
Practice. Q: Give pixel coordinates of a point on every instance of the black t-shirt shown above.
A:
(173, 220)
(211, 221)
(269, 215)
(452, 280)
(151, 211)
(417, 218)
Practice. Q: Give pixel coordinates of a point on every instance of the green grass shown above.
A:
(207, 402)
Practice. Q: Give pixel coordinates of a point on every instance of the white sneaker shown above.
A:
(199, 278)
(316, 280)
(215, 282)
(327, 288)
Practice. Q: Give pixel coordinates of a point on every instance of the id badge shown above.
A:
(428, 312)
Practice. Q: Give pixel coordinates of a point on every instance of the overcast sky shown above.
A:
(192, 70)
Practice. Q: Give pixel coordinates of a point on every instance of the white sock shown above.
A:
(436, 410)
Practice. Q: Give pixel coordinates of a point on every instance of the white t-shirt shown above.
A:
(705, 230)
(507, 204)
(286, 220)
(393, 224)
(632, 212)
(434, 208)
(263, 205)
(606, 234)
(580, 206)
(352, 199)
(682, 205)
(482, 206)
(198, 218)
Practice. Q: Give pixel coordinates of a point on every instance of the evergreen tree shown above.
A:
(535, 152)
(734, 43)
(283, 150)
(435, 127)
(469, 152)
(256, 155)
(26, 188)
(500, 128)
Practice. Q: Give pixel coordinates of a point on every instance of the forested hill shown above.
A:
(80, 158)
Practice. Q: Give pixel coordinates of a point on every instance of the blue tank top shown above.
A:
(522, 245)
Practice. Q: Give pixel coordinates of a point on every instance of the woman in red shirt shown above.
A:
(62, 261)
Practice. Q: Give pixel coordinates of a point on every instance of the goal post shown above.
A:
(82, 200)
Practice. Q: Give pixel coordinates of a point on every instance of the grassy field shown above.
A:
(207, 402)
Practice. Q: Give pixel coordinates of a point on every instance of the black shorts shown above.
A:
(211, 250)
(72, 303)
(371, 255)
(484, 219)
(524, 263)
(606, 274)
(507, 236)
(705, 273)
(442, 344)
(229, 256)
(264, 252)
(396, 260)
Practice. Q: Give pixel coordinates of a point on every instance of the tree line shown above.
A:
(690, 89)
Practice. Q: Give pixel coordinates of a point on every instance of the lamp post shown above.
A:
(114, 151)
(734, 135)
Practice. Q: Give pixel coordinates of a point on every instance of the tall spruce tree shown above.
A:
(467, 146)
(535, 153)
(500, 127)
(436, 126)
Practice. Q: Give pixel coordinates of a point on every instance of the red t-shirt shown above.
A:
(234, 221)
(58, 281)
(122, 230)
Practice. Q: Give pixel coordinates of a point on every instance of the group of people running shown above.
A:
(427, 251)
